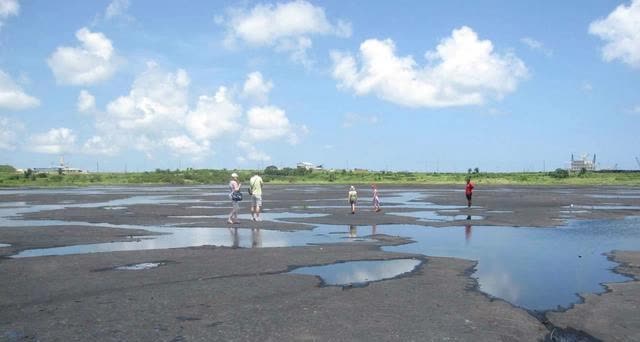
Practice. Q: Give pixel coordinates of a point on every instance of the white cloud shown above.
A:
(268, 122)
(10, 132)
(117, 8)
(183, 145)
(462, 70)
(213, 116)
(94, 61)
(255, 88)
(86, 102)
(354, 119)
(12, 96)
(157, 100)
(55, 141)
(536, 45)
(98, 145)
(286, 26)
(621, 32)
(250, 152)
(8, 8)
(586, 86)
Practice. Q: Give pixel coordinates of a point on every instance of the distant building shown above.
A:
(60, 169)
(584, 163)
(308, 166)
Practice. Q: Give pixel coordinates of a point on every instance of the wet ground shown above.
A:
(425, 268)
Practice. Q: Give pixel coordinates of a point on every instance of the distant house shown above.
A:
(60, 169)
(584, 163)
(308, 166)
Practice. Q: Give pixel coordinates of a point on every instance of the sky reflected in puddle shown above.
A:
(359, 272)
(139, 267)
(434, 216)
(534, 268)
(193, 237)
(603, 207)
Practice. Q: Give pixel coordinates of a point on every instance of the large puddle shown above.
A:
(358, 273)
(535, 268)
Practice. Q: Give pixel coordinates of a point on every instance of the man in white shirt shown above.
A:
(255, 187)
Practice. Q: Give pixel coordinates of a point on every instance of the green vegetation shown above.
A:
(10, 178)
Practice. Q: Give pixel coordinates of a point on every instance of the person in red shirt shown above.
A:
(468, 191)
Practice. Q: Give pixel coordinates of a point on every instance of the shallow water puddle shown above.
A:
(538, 269)
(5, 245)
(139, 267)
(359, 273)
(603, 207)
(434, 216)
(192, 237)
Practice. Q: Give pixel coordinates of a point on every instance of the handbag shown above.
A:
(236, 196)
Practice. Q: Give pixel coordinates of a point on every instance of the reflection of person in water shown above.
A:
(373, 229)
(235, 238)
(353, 231)
(467, 230)
(256, 238)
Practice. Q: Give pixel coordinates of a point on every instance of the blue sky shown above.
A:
(405, 85)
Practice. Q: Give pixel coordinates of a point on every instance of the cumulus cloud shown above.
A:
(354, 119)
(98, 145)
(93, 61)
(268, 122)
(10, 132)
(255, 87)
(213, 116)
(117, 8)
(55, 141)
(8, 8)
(285, 26)
(621, 32)
(156, 116)
(250, 152)
(183, 145)
(536, 45)
(462, 70)
(86, 102)
(12, 96)
(157, 100)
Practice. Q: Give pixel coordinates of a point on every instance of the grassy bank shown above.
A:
(10, 178)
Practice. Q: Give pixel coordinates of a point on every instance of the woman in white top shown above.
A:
(234, 186)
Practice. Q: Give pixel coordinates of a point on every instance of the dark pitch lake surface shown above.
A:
(534, 268)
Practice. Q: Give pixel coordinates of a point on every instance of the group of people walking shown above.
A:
(255, 191)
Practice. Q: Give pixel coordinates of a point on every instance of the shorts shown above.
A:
(256, 200)
(352, 201)
(468, 197)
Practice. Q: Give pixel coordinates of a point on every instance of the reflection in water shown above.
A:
(431, 215)
(534, 268)
(360, 272)
(256, 238)
(234, 237)
(138, 267)
(538, 269)
(353, 231)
